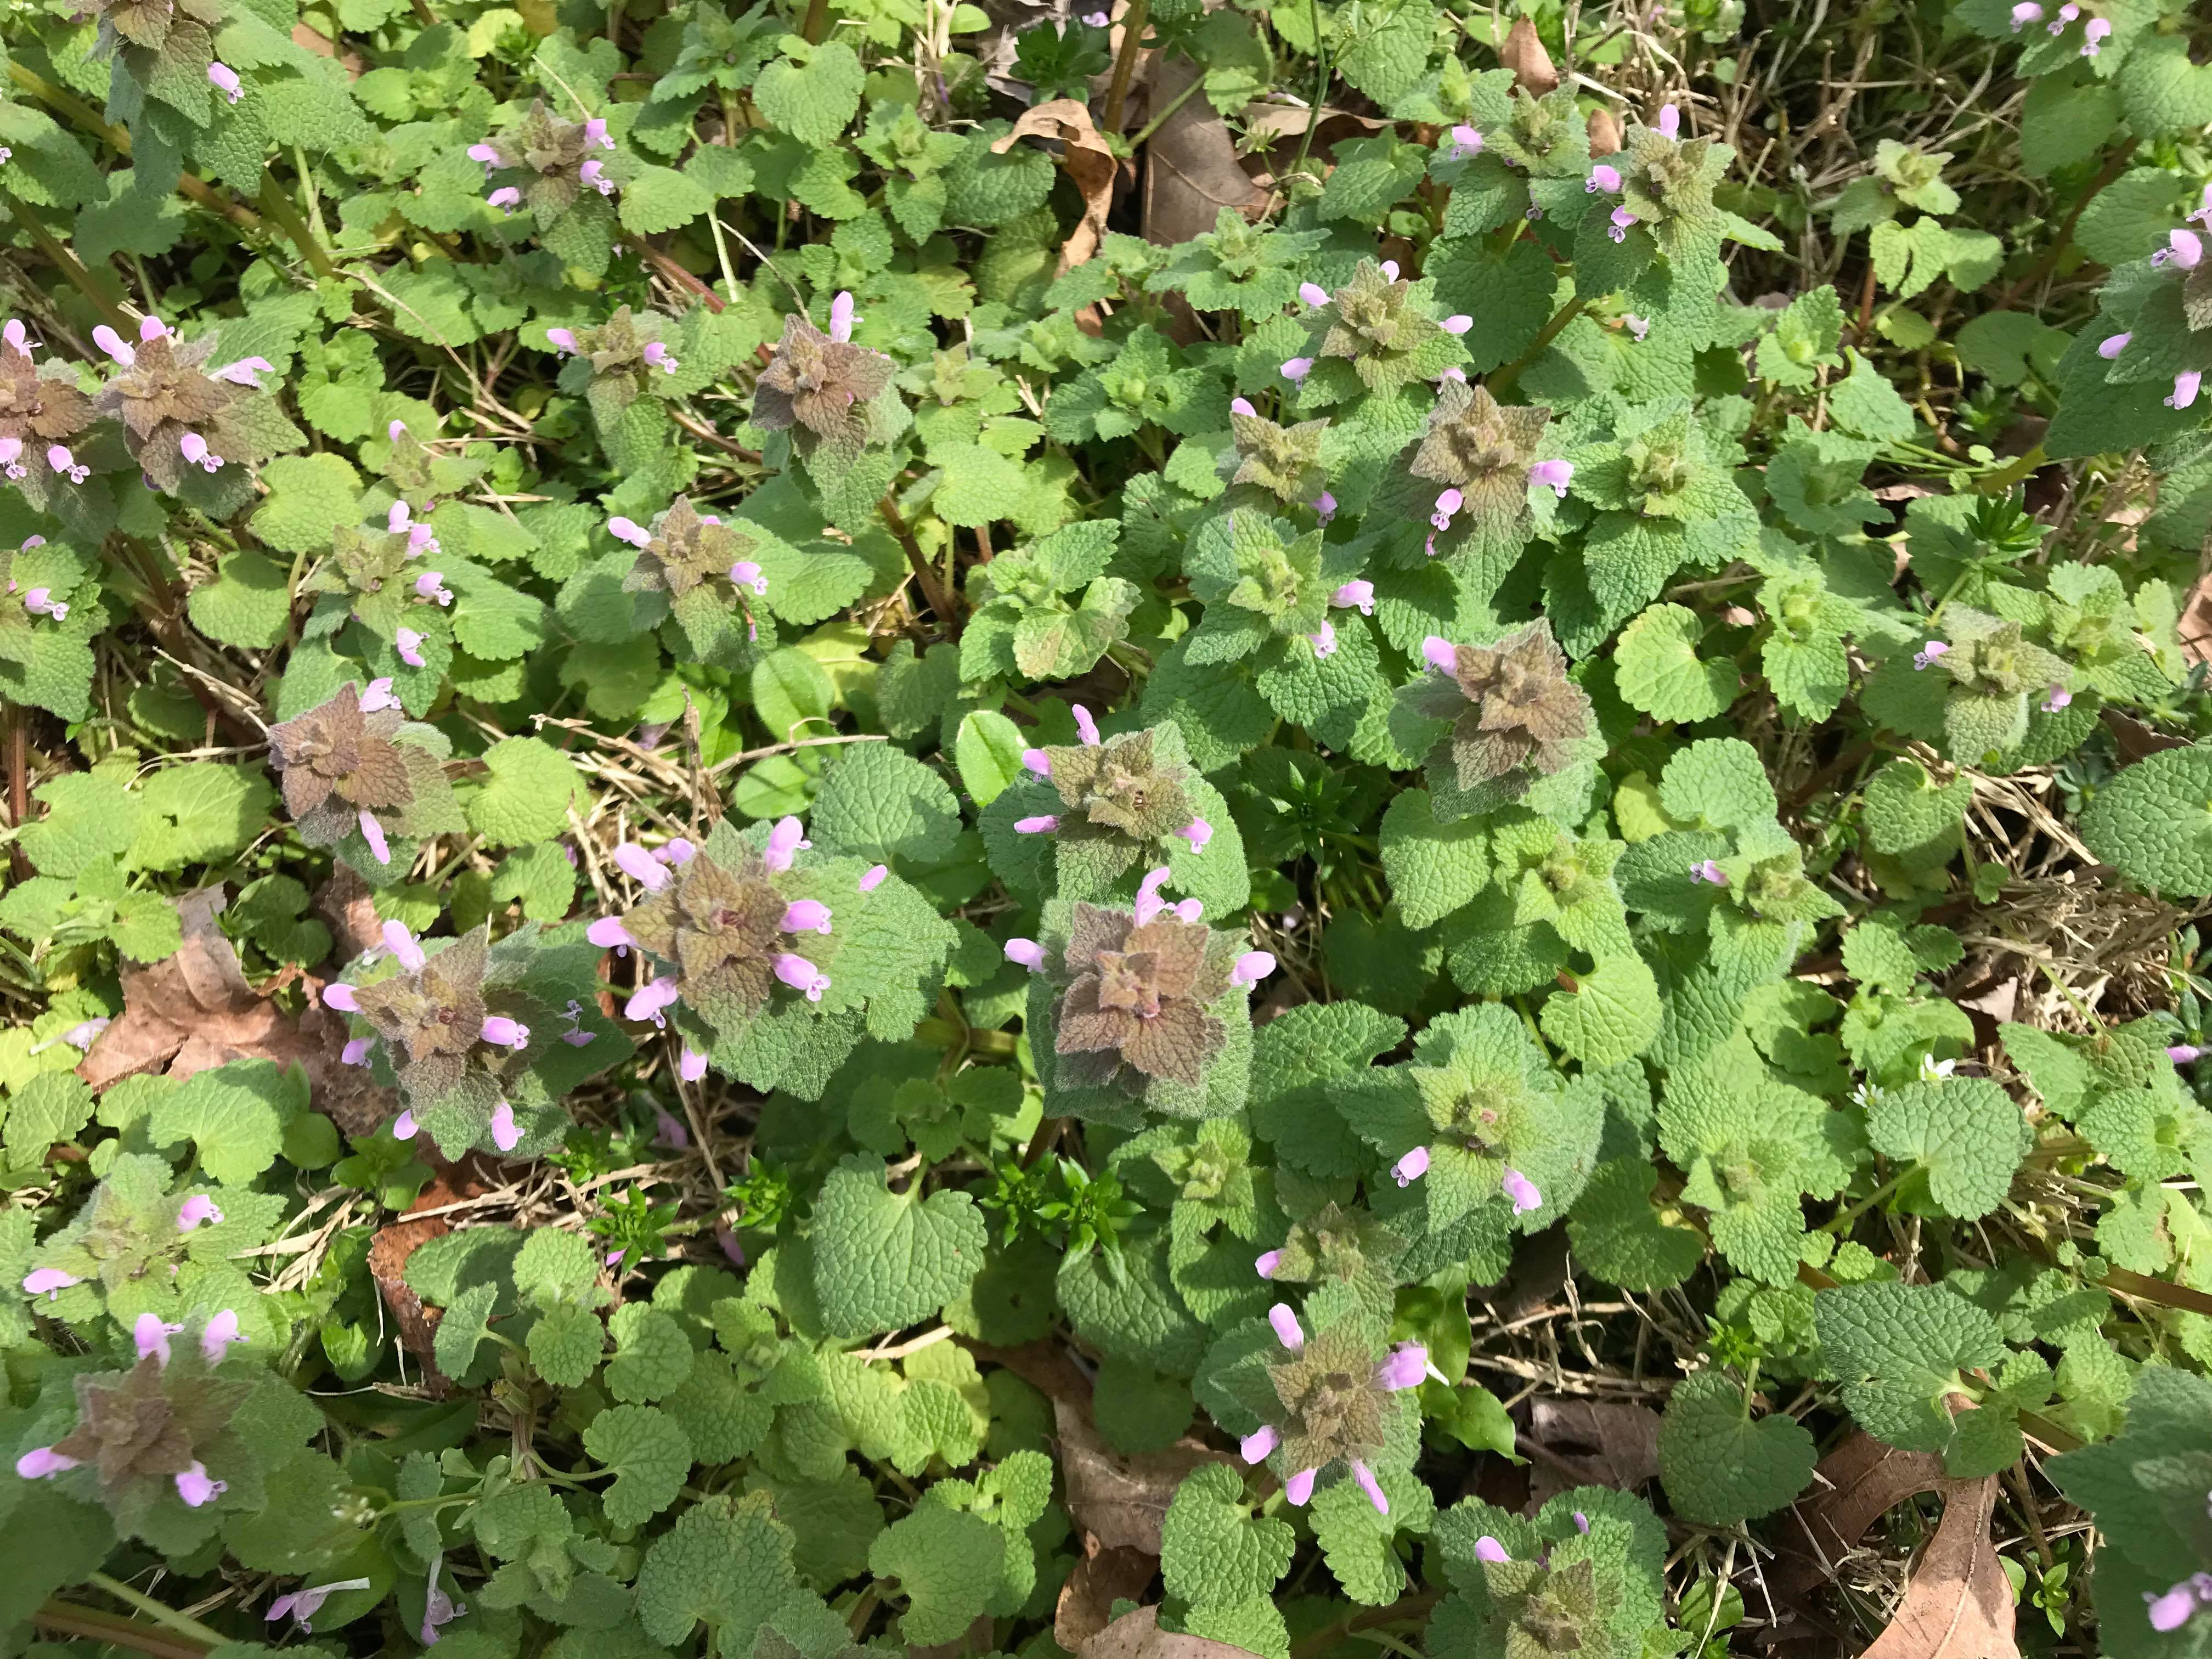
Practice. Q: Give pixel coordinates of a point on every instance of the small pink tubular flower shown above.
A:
(506, 198)
(629, 530)
(1299, 1487)
(1244, 405)
(86, 1032)
(842, 317)
(114, 345)
(485, 153)
(1324, 640)
(1488, 1549)
(594, 174)
(221, 1331)
(1448, 502)
(2067, 14)
(745, 574)
(1389, 269)
(1265, 1263)
(800, 975)
(1670, 122)
(59, 458)
(1037, 762)
(1324, 505)
(1025, 953)
(1149, 902)
(608, 934)
(1408, 1364)
(39, 602)
(224, 80)
(16, 336)
(787, 838)
(1041, 823)
(1258, 1445)
(1440, 653)
(11, 458)
(1602, 178)
(658, 355)
(1411, 1168)
(1458, 324)
(2112, 345)
(1554, 476)
(1296, 368)
(2184, 388)
(505, 1134)
(1928, 654)
(409, 644)
(51, 1282)
(640, 866)
(2026, 12)
(668, 1129)
(196, 1209)
(1356, 595)
(1709, 872)
(1190, 909)
(403, 1126)
(805, 916)
(1286, 1324)
(194, 448)
(1466, 143)
(563, 340)
(1522, 1190)
(401, 944)
(1371, 1485)
(1314, 295)
(2178, 1606)
(1638, 326)
(431, 585)
(504, 1033)
(304, 1604)
(1621, 220)
(1085, 727)
(2183, 248)
(595, 132)
(150, 1335)
(648, 1001)
(355, 1051)
(2060, 697)
(1198, 832)
(691, 1066)
(2181, 1054)
(874, 878)
(1251, 968)
(2202, 216)
(339, 995)
(2094, 35)
(577, 1037)
(242, 372)
(43, 1463)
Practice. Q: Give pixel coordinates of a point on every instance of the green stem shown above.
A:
(1320, 86)
(79, 277)
(1161, 119)
(160, 1612)
(1133, 39)
(1566, 314)
(817, 21)
(277, 206)
(1841, 1222)
(91, 1623)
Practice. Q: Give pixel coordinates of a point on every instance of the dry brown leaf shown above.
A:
(1266, 123)
(1045, 1366)
(1122, 1498)
(1191, 170)
(195, 1012)
(349, 910)
(1524, 54)
(1101, 1578)
(452, 1183)
(1958, 1604)
(1590, 1443)
(1089, 164)
(1604, 133)
(1138, 1636)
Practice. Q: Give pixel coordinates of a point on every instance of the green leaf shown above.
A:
(653, 1356)
(658, 199)
(199, 813)
(946, 1563)
(1434, 868)
(1965, 1135)
(884, 1261)
(235, 1116)
(1611, 1015)
(812, 99)
(526, 797)
(1213, 1549)
(1658, 670)
(1901, 1350)
(649, 1457)
(309, 496)
(727, 1564)
(879, 803)
(987, 749)
(2153, 822)
(1719, 1465)
(246, 605)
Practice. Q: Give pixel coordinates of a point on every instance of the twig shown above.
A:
(91, 1623)
(160, 1611)
(932, 589)
(786, 748)
(68, 264)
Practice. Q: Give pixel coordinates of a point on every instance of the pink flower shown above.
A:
(403, 1126)
(577, 1037)
(1555, 476)
(1670, 122)
(1638, 327)
(1042, 823)
(1257, 1446)
(2183, 248)
(504, 1033)
(1602, 178)
(745, 574)
(1085, 727)
(86, 1032)
(842, 317)
(1358, 595)
(113, 344)
(1411, 1168)
(1709, 872)
(800, 975)
(196, 1489)
(1466, 143)
(2184, 388)
(1929, 654)
(1408, 1362)
(11, 452)
(1313, 293)
(787, 838)
(1149, 902)
(485, 153)
(506, 198)
(379, 849)
(627, 530)
(221, 1331)
(401, 944)
(2180, 1054)
(1251, 968)
(2067, 14)
(1286, 1324)
(304, 1604)
(16, 336)
(805, 916)
(874, 878)
(43, 1463)
(355, 1051)
(1243, 406)
(1190, 909)
(1198, 832)
(692, 1066)
(730, 1248)
(657, 355)
(2112, 345)
(1522, 1190)
(1458, 324)
(194, 448)
(438, 1607)
(49, 1282)
(640, 866)
(409, 644)
(2202, 216)
(196, 1209)
(1299, 1487)
(2178, 1606)
(505, 1134)
(1488, 1549)
(242, 372)
(150, 1333)
(564, 341)
(2093, 34)
(648, 1001)
(431, 585)
(224, 80)
(1324, 640)
(59, 458)
(1622, 219)
(1440, 653)
(2026, 12)
(339, 995)
(1324, 505)
(1389, 270)
(2060, 697)
(1265, 1263)
(1037, 762)
(39, 604)
(595, 132)
(594, 174)
(1371, 1485)
(1296, 368)
(668, 1128)
(1025, 953)
(1448, 502)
